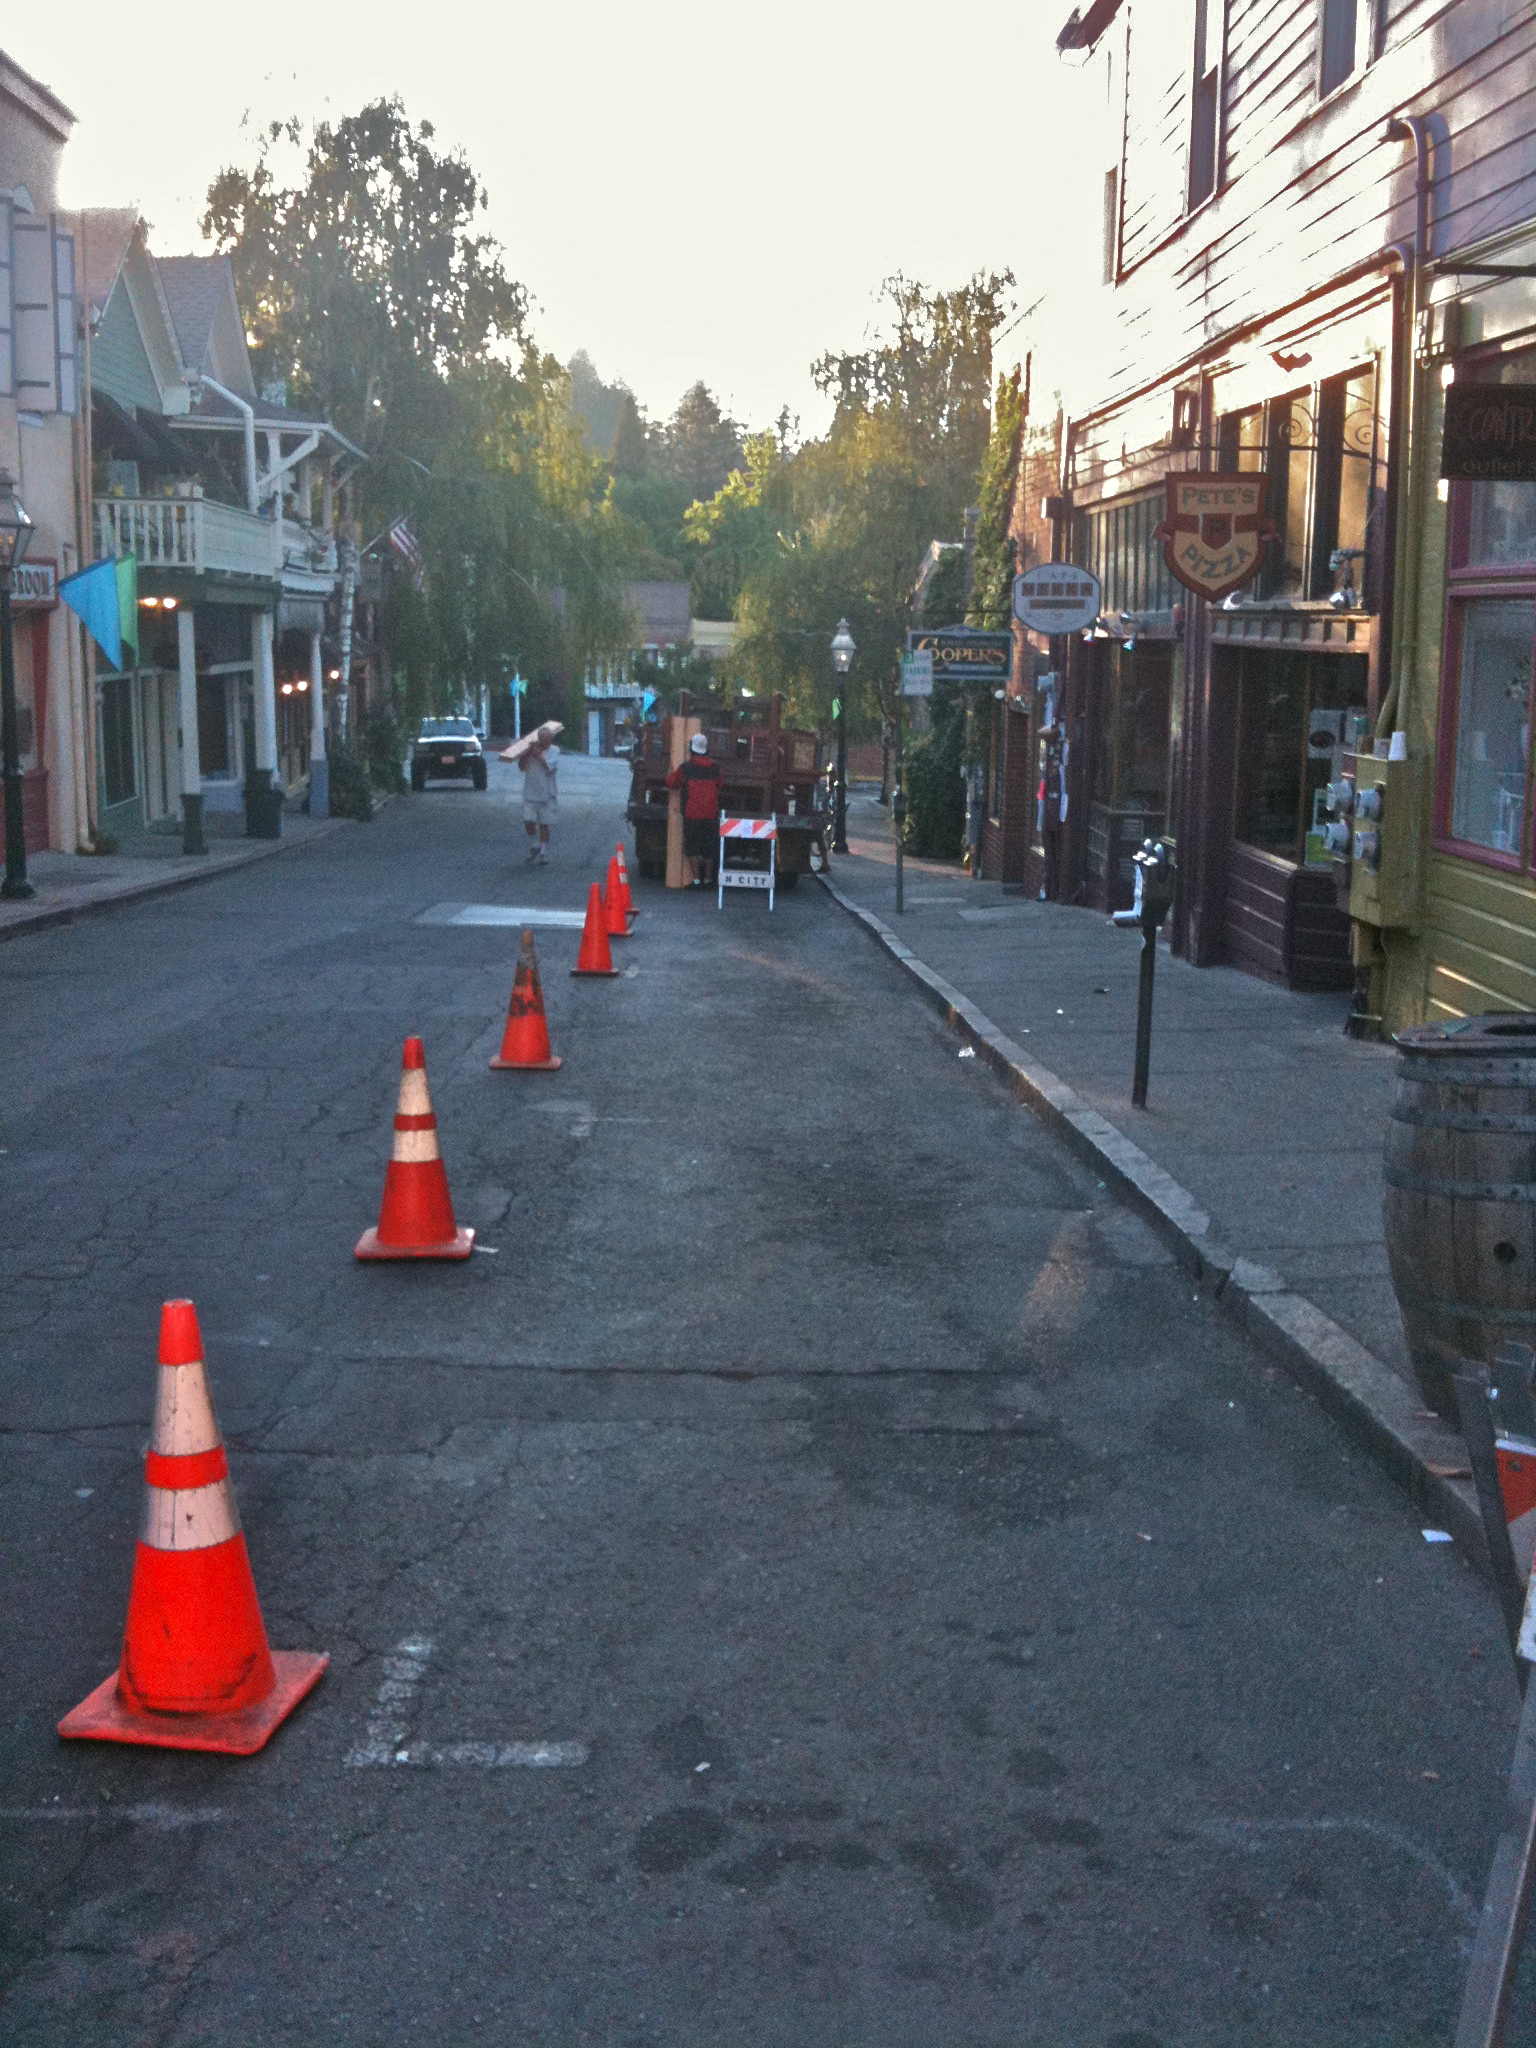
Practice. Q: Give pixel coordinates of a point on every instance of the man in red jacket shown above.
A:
(699, 779)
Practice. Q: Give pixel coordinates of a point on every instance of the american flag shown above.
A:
(403, 539)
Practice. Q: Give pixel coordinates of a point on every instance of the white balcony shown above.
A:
(194, 535)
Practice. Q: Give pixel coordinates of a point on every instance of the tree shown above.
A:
(367, 286)
(992, 583)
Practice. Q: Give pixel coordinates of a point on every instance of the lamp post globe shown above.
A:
(843, 651)
(15, 533)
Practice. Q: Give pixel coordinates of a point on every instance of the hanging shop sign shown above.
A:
(1215, 529)
(1490, 434)
(963, 654)
(1056, 597)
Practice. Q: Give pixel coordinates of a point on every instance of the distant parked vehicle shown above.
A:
(447, 747)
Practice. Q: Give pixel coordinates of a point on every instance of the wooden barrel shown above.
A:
(1459, 1194)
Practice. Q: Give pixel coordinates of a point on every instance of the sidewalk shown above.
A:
(1258, 1155)
(70, 884)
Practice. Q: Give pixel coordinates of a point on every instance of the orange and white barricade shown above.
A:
(755, 829)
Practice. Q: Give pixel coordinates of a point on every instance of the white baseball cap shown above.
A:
(698, 744)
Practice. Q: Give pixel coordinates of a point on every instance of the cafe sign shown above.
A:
(1490, 433)
(1214, 530)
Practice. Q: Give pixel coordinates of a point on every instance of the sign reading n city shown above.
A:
(1056, 597)
(1490, 434)
(963, 654)
(1214, 530)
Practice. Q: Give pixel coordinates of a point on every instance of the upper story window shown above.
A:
(1482, 805)
(1349, 38)
(1205, 107)
(1323, 451)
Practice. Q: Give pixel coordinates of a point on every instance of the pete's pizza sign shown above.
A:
(1214, 530)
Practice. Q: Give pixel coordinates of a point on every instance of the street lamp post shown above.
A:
(843, 651)
(15, 532)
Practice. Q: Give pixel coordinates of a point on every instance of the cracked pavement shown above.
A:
(970, 1637)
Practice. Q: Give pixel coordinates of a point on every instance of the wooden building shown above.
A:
(1288, 188)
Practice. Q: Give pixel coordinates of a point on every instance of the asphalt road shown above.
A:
(955, 1632)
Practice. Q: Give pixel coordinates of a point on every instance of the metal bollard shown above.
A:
(899, 821)
(1154, 899)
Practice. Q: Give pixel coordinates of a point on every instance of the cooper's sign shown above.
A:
(1215, 529)
(964, 653)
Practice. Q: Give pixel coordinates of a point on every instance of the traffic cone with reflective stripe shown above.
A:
(615, 918)
(416, 1220)
(196, 1672)
(525, 1042)
(628, 901)
(594, 957)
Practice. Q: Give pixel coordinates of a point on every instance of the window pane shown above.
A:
(1493, 724)
(1338, 41)
(1356, 458)
(1290, 475)
(1503, 524)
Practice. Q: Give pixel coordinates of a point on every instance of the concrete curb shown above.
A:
(1379, 1411)
(16, 925)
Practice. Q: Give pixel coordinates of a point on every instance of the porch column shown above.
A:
(319, 766)
(192, 840)
(263, 796)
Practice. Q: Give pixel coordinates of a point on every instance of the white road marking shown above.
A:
(387, 1745)
(1253, 1834)
(503, 914)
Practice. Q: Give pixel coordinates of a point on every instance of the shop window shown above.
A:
(1240, 440)
(117, 765)
(1279, 782)
(1346, 470)
(1117, 542)
(1490, 656)
(1493, 723)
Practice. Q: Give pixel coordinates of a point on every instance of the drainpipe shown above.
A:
(249, 415)
(1408, 425)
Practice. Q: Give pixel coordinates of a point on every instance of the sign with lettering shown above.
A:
(964, 654)
(1490, 433)
(917, 675)
(1056, 597)
(35, 586)
(1214, 529)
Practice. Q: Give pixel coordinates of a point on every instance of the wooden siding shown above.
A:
(1159, 57)
(1283, 921)
(1480, 940)
(119, 365)
(1312, 189)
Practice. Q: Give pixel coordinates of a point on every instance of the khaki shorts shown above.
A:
(540, 814)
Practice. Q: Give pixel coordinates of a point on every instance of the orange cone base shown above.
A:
(103, 1717)
(459, 1246)
(502, 1066)
(593, 970)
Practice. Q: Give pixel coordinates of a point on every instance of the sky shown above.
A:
(686, 190)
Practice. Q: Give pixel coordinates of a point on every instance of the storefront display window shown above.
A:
(1493, 723)
(1490, 641)
(1279, 779)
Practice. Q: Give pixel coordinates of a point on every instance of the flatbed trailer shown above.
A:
(767, 770)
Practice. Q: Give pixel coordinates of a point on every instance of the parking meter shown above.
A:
(899, 827)
(1155, 871)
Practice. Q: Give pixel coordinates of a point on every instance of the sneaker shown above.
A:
(543, 857)
(532, 854)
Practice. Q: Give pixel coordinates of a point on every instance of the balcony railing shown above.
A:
(192, 534)
(198, 535)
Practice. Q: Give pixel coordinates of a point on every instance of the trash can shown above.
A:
(263, 805)
(1459, 1193)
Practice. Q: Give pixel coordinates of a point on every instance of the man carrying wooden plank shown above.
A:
(699, 780)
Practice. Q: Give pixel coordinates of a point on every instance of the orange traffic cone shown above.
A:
(525, 1042)
(624, 896)
(196, 1672)
(615, 919)
(416, 1220)
(594, 957)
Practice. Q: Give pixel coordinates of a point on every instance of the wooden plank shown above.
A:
(679, 731)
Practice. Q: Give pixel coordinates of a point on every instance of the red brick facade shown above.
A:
(1009, 827)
